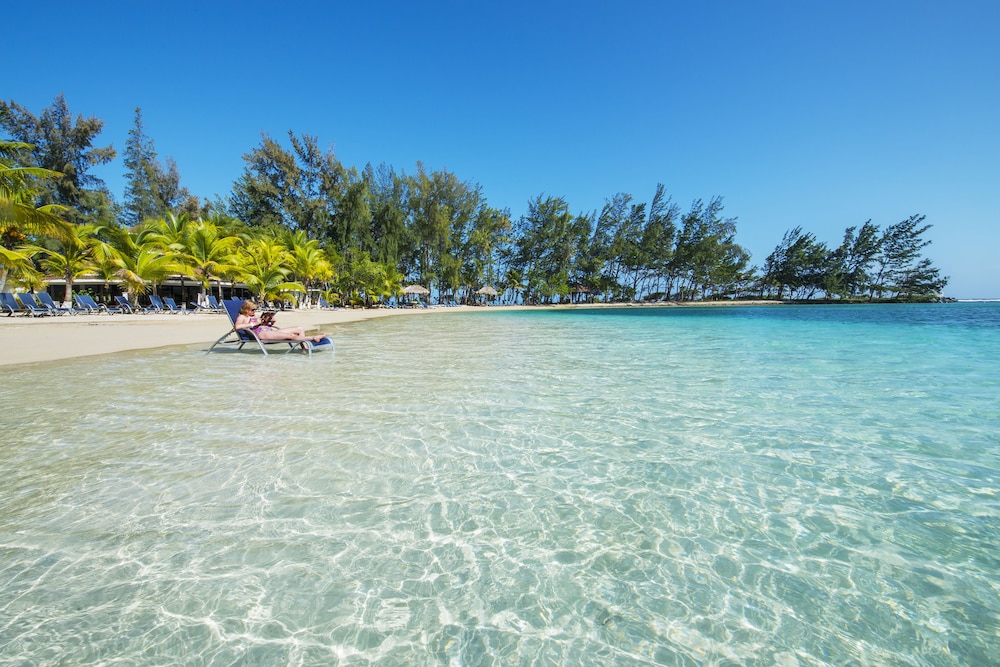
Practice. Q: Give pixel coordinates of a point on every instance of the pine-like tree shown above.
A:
(63, 144)
(142, 198)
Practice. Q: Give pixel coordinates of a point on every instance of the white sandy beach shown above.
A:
(32, 339)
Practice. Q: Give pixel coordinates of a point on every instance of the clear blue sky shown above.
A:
(819, 114)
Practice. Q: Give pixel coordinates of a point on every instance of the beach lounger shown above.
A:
(90, 307)
(34, 309)
(126, 307)
(10, 305)
(211, 305)
(171, 305)
(45, 299)
(240, 337)
(94, 308)
(155, 304)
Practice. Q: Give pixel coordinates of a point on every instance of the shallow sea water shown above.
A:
(727, 486)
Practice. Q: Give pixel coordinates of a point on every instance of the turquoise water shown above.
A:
(701, 486)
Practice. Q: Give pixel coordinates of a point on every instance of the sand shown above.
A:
(33, 339)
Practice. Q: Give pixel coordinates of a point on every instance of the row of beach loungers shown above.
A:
(41, 304)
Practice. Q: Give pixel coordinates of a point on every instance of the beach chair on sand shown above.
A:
(9, 305)
(171, 305)
(46, 300)
(94, 308)
(29, 304)
(125, 305)
(155, 304)
(211, 305)
(240, 337)
(86, 303)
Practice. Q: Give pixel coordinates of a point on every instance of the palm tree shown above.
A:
(143, 271)
(391, 284)
(171, 233)
(105, 252)
(307, 260)
(139, 264)
(19, 217)
(264, 269)
(74, 260)
(207, 255)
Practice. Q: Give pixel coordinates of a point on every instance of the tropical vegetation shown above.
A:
(298, 224)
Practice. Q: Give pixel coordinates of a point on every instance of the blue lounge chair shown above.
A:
(45, 299)
(10, 305)
(240, 337)
(86, 301)
(88, 307)
(125, 305)
(211, 305)
(29, 304)
(171, 305)
(155, 304)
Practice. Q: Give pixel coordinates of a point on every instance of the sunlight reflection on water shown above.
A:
(493, 489)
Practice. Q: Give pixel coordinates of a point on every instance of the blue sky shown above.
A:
(819, 114)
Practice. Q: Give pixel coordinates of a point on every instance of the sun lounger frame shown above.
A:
(240, 337)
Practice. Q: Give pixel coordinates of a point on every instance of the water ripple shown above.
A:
(696, 490)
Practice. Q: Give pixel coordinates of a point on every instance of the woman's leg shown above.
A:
(298, 331)
(279, 334)
(291, 333)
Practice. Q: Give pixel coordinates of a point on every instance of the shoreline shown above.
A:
(25, 340)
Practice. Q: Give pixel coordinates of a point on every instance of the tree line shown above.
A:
(297, 219)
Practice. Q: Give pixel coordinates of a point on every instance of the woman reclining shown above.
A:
(265, 328)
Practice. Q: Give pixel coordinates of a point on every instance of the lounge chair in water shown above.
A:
(34, 309)
(240, 337)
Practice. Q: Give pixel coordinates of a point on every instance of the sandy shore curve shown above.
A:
(33, 339)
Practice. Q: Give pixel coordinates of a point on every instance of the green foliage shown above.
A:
(264, 268)
(142, 198)
(63, 144)
(300, 189)
(798, 263)
(21, 217)
(869, 263)
(69, 257)
(152, 188)
(299, 223)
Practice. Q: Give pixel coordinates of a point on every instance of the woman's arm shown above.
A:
(244, 322)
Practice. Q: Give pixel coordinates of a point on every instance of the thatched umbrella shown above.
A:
(417, 290)
(487, 292)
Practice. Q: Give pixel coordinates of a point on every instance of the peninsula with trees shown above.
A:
(297, 222)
